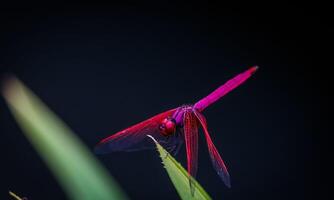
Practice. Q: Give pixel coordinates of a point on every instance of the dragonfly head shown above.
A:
(167, 126)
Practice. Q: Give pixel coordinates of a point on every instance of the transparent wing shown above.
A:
(135, 137)
(216, 159)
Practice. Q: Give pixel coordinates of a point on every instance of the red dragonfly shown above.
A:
(175, 126)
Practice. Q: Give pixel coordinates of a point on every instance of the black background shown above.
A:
(103, 68)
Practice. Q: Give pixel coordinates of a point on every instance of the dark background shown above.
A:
(103, 68)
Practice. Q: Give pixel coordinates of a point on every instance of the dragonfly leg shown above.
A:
(177, 149)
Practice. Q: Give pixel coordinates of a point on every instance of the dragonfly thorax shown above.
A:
(167, 126)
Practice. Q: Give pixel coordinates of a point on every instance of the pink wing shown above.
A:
(224, 89)
(217, 161)
(135, 137)
(190, 130)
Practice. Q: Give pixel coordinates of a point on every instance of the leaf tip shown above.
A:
(12, 194)
(154, 140)
(8, 84)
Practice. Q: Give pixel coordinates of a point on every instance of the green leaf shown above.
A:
(180, 177)
(73, 165)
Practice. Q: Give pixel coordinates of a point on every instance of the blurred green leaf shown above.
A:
(76, 169)
(180, 177)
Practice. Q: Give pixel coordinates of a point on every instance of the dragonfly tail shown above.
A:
(224, 89)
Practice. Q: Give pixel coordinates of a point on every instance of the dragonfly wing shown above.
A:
(135, 137)
(191, 139)
(190, 130)
(216, 159)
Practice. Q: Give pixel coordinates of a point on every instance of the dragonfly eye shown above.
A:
(167, 126)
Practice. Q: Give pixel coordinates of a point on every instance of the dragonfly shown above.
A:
(175, 127)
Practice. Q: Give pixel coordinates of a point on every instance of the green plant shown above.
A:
(180, 178)
(77, 170)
